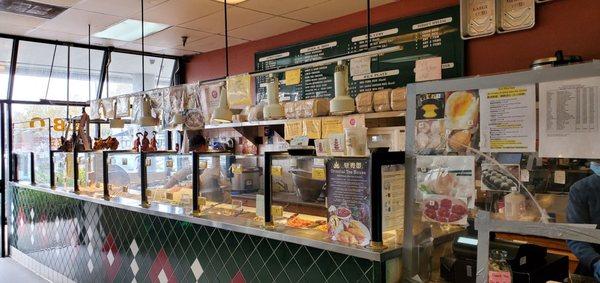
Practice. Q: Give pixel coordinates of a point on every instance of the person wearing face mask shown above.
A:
(584, 208)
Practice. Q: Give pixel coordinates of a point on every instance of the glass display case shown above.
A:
(169, 179)
(124, 175)
(90, 172)
(62, 170)
(24, 167)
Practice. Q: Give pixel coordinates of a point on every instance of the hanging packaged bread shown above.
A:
(398, 99)
(381, 100)
(364, 102)
(95, 106)
(108, 108)
(123, 107)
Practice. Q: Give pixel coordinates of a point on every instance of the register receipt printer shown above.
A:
(529, 263)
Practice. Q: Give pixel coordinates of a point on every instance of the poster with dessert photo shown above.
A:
(450, 177)
(461, 114)
(430, 132)
(348, 200)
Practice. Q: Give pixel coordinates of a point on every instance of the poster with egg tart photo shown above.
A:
(430, 131)
(461, 113)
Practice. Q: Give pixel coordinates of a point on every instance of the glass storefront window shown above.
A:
(5, 54)
(125, 73)
(42, 72)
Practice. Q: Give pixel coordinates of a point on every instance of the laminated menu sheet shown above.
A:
(508, 119)
(570, 118)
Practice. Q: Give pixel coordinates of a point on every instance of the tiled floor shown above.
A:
(14, 272)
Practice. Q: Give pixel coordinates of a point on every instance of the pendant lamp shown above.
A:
(273, 110)
(341, 104)
(222, 114)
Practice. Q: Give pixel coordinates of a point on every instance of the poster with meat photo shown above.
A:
(446, 188)
(430, 132)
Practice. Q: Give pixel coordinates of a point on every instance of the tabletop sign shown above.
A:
(349, 199)
(430, 35)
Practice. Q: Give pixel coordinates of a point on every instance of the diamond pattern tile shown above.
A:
(88, 242)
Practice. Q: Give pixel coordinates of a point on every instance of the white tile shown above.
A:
(236, 17)
(212, 43)
(278, 7)
(267, 28)
(171, 37)
(332, 9)
(76, 21)
(197, 269)
(32, 214)
(176, 12)
(134, 248)
(125, 7)
(90, 265)
(90, 249)
(162, 277)
(110, 257)
(134, 267)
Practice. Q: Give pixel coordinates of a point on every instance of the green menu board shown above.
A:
(435, 34)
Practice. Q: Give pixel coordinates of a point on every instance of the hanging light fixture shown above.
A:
(273, 110)
(222, 114)
(342, 103)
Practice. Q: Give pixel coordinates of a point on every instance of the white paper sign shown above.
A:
(360, 66)
(508, 119)
(570, 118)
(428, 69)
(392, 180)
(560, 177)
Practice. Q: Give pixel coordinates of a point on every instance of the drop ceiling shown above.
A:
(202, 21)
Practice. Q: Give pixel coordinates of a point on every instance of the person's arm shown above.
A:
(578, 212)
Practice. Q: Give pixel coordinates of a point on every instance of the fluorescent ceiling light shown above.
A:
(232, 2)
(130, 30)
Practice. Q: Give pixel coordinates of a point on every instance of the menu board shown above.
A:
(569, 118)
(426, 36)
(349, 200)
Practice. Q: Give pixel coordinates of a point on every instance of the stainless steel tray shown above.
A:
(514, 16)
(477, 18)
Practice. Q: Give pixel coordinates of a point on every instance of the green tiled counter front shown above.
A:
(91, 242)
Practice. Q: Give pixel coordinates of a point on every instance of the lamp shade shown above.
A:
(147, 120)
(342, 103)
(222, 114)
(273, 110)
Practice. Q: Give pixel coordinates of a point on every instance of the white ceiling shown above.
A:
(202, 21)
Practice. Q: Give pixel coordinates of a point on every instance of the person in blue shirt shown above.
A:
(584, 208)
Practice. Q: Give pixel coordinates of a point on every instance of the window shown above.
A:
(125, 73)
(5, 54)
(42, 72)
(126, 135)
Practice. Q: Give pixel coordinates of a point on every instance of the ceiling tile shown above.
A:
(176, 12)
(20, 20)
(332, 9)
(210, 43)
(14, 29)
(61, 3)
(171, 37)
(53, 35)
(76, 22)
(267, 28)
(125, 7)
(278, 7)
(237, 17)
(100, 41)
(138, 47)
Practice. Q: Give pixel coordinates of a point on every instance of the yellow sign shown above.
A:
(33, 121)
(277, 211)
(318, 173)
(311, 128)
(236, 169)
(331, 126)
(292, 77)
(276, 171)
(58, 125)
(292, 129)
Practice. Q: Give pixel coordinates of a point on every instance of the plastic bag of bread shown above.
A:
(312, 108)
(255, 113)
(290, 110)
(381, 100)
(398, 98)
(364, 102)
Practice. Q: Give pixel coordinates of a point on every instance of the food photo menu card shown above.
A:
(349, 200)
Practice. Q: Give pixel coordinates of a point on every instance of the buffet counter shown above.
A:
(80, 237)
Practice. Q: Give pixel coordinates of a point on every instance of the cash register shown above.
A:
(529, 263)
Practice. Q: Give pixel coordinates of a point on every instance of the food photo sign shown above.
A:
(349, 200)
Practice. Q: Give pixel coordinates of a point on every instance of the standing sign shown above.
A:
(426, 36)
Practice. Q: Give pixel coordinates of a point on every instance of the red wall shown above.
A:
(570, 25)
